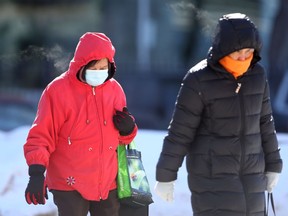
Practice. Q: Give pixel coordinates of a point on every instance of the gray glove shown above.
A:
(272, 180)
(165, 190)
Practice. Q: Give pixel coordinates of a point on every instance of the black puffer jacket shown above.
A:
(225, 129)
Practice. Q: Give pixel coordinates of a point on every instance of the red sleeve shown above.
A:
(41, 138)
(120, 103)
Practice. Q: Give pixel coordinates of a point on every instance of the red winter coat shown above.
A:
(73, 134)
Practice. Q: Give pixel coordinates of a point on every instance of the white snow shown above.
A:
(14, 177)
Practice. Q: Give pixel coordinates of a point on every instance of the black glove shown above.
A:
(36, 191)
(124, 122)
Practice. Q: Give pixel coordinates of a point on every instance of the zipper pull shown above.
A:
(93, 90)
(238, 88)
(69, 141)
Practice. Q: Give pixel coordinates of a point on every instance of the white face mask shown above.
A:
(96, 77)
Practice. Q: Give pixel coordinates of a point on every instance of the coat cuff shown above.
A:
(129, 138)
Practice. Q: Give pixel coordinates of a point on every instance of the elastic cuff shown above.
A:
(36, 169)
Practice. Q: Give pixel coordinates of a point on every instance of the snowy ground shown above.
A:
(14, 178)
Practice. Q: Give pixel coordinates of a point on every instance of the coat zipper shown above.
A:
(69, 137)
(238, 88)
(69, 140)
(101, 144)
(242, 130)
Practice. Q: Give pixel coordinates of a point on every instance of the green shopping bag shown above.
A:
(133, 187)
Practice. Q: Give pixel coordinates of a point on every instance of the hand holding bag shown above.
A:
(133, 187)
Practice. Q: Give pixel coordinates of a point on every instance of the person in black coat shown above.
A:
(223, 124)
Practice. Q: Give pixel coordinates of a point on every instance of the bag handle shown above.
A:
(131, 145)
(270, 197)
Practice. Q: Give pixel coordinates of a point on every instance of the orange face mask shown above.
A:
(235, 67)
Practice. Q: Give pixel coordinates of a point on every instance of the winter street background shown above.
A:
(14, 177)
(156, 42)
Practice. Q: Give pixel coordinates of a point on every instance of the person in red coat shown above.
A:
(81, 119)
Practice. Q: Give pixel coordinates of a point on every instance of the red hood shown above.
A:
(92, 46)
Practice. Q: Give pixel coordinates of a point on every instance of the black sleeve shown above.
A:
(271, 150)
(182, 129)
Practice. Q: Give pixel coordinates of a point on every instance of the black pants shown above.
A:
(126, 210)
(71, 203)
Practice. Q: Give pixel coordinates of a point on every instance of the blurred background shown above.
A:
(156, 41)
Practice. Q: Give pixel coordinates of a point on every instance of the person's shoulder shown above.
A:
(58, 83)
(199, 71)
(199, 67)
(114, 84)
(258, 70)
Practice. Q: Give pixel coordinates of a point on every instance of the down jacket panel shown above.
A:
(225, 129)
